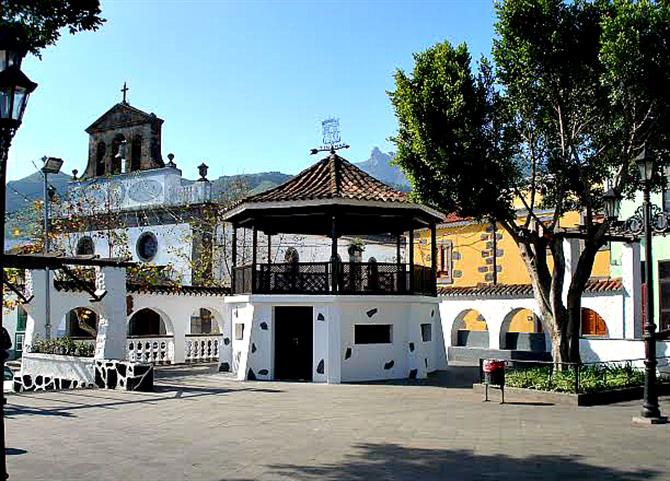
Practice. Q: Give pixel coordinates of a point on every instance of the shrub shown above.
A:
(592, 378)
(64, 346)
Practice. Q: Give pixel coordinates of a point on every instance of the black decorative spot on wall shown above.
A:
(253, 347)
(320, 368)
(263, 372)
(411, 347)
(372, 312)
(224, 367)
(320, 317)
(413, 373)
(432, 313)
(250, 375)
(425, 360)
(226, 340)
(347, 354)
(264, 326)
(389, 365)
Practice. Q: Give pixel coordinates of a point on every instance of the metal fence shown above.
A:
(579, 378)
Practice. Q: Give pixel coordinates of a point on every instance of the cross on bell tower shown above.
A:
(125, 91)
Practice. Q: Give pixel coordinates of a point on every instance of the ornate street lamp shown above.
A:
(612, 204)
(650, 409)
(15, 88)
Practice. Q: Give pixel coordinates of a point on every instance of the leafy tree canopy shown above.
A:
(40, 21)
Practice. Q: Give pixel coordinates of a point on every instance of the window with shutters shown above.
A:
(593, 324)
(664, 295)
(444, 266)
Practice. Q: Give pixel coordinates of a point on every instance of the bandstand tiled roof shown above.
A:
(331, 178)
(593, 286)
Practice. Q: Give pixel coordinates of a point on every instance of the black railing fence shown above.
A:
(319, 278)
(579, 378)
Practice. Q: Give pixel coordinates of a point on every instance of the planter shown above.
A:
(45, 372)
(519, 394)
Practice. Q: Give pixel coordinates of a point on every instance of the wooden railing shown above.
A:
(357, 278)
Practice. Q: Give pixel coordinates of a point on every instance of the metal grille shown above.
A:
(293, 278)
(372, 278)
(242, 279)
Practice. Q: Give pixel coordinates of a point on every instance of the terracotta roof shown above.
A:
(135, 288)
(523, 290)
(331, 178)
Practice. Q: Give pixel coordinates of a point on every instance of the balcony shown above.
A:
(347, 278)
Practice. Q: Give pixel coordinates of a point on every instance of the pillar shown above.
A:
(410, 261)
(631, 279)
(233, 258)
(111, 342)
(433, 258)
(333, 254)
(571, 253)
(36, 323)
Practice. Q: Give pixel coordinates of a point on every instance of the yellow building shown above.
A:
(465, 258)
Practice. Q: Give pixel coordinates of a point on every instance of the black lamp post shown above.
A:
(15, 88)
(650, 409)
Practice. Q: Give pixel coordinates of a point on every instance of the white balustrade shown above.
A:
(202, 348)
(156, 350)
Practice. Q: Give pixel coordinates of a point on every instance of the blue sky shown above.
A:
(241, 85)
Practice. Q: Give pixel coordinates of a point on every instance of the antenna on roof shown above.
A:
(332, 140)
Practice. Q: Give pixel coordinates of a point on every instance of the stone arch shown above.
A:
(136, 154)
(522, 330)
(149, 321)
(79, 322)
(593, 324)
(116, 163)
(203, 321)
(467, 322)
(100, 152)
(85, 246)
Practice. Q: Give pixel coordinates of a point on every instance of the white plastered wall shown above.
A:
(334, 318)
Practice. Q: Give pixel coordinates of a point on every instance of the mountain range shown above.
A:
(21, 193)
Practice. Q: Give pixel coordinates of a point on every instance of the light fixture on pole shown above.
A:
(612, 204)
(650, 409)
(15, 88)
(51, 165)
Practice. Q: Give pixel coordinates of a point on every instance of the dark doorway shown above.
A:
(293, 343)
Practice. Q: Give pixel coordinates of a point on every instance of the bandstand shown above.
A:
(334, 321)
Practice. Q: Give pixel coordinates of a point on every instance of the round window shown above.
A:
(85, 247)
(147, 246)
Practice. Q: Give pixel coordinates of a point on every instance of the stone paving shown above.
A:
(204, 426)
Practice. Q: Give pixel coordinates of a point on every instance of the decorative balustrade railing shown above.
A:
(349, 278)
(293, 278)
(202, 348)
(154, 349)
(196, 193)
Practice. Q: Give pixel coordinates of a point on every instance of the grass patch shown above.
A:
(596, 378)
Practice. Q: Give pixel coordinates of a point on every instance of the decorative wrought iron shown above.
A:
(634, 225)
(332, 140)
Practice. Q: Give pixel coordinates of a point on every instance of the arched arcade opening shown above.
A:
(470, 330)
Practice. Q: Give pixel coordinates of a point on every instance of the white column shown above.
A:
(571, 253)
(632, 286)
(335, 348)
(181, 320)
(36, 323)
(112, 325)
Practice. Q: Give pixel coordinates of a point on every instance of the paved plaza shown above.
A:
(205, 426)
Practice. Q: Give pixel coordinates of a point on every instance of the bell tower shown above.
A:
(124, 132)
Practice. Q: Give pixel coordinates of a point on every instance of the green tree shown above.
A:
(575, 91)
(40, 21)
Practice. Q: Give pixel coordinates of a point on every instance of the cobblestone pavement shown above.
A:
(204, 426)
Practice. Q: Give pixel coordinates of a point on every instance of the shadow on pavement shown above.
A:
(390, 462)
(166, 393)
